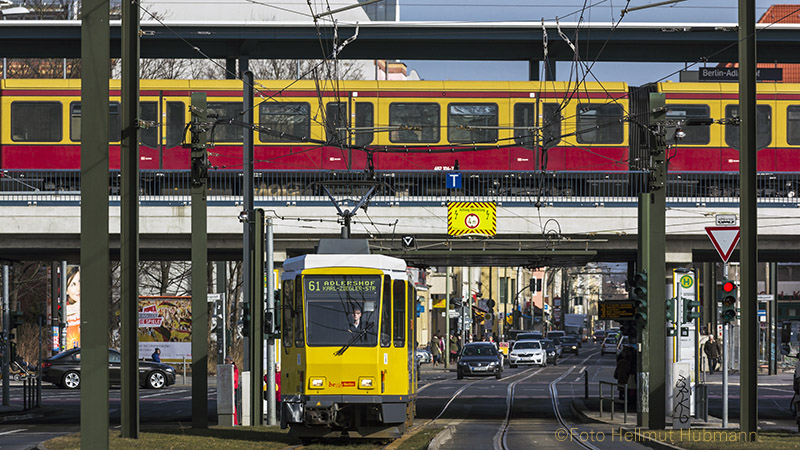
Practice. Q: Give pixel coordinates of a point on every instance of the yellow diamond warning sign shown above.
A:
(471, 218)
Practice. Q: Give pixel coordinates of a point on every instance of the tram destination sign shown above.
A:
(616, 310)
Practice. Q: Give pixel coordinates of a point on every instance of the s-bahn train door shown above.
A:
(348, 123)
(173, 115)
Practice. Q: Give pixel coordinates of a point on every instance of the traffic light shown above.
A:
(688, 314)
(727, 296)
(246, 319)
(15, 319)
(671, 310)
(640, 296)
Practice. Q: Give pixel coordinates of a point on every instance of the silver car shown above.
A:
(527, 352)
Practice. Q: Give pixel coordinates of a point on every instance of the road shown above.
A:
(528, 407)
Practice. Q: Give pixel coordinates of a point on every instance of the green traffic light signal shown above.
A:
(727, 296)
(688, 314)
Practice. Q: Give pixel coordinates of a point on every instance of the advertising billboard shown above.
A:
(165, 323)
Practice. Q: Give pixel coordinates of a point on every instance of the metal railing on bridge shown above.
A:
(588, 189)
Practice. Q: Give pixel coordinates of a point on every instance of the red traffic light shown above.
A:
(728, 286)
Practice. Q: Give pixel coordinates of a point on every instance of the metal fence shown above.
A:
(409, 187)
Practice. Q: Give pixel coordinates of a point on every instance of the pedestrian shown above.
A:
(712, 350)
(436, 351)
(236, 390)
(454, 348)
(625, 372)
(156, 356)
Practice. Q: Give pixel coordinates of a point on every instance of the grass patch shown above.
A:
(715, 438)
(219, 438)
(223, 438)
(420, 440)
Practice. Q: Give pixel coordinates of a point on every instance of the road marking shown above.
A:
(559, 417)
(159, 394)
(12, 431)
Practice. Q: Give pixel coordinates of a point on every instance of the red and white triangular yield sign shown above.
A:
(724, 240)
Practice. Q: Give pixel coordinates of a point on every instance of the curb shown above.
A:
(441, 438)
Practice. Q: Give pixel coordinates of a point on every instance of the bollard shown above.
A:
(184, 370)
(226, 399)
(586, 384)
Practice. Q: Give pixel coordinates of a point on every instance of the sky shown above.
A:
(604, 11)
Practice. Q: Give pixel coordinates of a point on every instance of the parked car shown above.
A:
(424, 355)
(527, 352)
(64, 370)
(570, 344)
(550, 349)
(598, 336)
(609, 345)
(558, 346)
(479, 359)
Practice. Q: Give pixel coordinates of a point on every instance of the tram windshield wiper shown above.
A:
(355, 337)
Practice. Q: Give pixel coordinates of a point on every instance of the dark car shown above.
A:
(598, 335)
(570, 344)
(550, 349)
(479, 359)
(578, 338)
(64, 369)
(557, 344)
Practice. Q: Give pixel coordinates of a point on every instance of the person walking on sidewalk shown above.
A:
(436, 351)
(712, 350)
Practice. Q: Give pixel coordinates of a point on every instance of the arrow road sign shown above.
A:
(724, 240)
(409, 242)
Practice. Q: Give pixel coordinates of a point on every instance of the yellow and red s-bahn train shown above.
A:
(347, 363)
(409, 125)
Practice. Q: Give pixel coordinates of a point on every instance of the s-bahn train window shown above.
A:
(599, 124)
(763, 126)
(398, 314)
(114, 131)
(291, 118)
(287, 305)
(342, 310)
(695, 134)
(422, 118)
(386, 313)
(336, 117)
(477, 116)
(227, 110)
(148, 112)
(36, 121)
(176, 121)
(793, 125)
(299, 339)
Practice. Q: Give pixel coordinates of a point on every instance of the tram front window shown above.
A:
(342, 310)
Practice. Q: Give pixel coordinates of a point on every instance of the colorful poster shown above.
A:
(165, 323)
(73, 307)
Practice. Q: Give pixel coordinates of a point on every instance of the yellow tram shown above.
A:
(348, 327)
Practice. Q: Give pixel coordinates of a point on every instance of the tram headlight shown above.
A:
(316, 383)
(366, 383)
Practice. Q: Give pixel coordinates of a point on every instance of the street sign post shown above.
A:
(724, 240)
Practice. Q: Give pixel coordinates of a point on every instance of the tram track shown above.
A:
(500, 440)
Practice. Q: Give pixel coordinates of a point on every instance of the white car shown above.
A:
(609, 345)
(527, 352)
